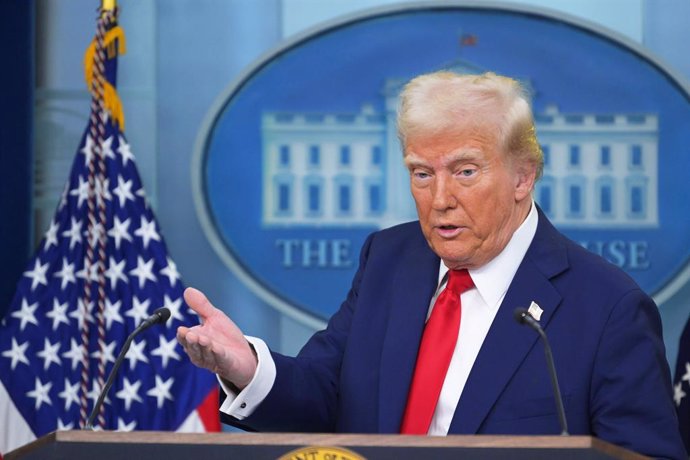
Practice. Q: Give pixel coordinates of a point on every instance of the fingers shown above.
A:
(235, 364)
(199, 348)
(217, 344)
(198, 302)
(221, 327)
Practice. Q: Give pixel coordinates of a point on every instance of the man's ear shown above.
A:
(525, 176)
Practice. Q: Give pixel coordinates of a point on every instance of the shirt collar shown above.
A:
(492, 279)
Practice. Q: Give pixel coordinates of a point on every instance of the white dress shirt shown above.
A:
(244, 403)
(479, 307)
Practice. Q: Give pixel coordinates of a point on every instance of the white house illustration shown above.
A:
(346, 169)
(600, 170)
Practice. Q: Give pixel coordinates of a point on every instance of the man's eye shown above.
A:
(420, 175)
(467, 172)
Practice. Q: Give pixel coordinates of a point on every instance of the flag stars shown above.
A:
(70, 394)
(122, 426)
(63, 197)
(171, 272)
(141, 193)
(147, 231)
(81, 192)
(26, 314)
(75, 353)
(51, 235)
(95, 392)
(82, 314)
(94, 234)
(129, 392)
(40, 393)
(161, 391)
(112, 313)
(58, 314)
(123, 191)
(139, 311)
(115, 272)
(74, 233)
(62, 426)
(144, 271)
(87, 150)
(125, 151)
(166, 350)
(92, 274)
(136, 354)
(120, 231)
(174, 307)
(103, 190)
(686, 376)
(678, 393)
(38, 274)
(107, 148)
(106, 352)
(17, 353)
(66, 273)
(49, 354)
(104, 115)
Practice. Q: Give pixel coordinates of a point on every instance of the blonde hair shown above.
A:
(443, 103)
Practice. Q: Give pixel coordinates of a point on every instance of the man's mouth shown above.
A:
(447, 231)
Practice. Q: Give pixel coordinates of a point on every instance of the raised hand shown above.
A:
(217, 344)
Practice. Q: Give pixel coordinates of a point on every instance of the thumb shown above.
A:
(198, 302)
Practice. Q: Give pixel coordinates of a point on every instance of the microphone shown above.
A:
(522, 316)
(159, 316)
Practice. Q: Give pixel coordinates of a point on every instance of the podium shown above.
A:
(108, 445)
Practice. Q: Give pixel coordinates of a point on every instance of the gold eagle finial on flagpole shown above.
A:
(108, 5)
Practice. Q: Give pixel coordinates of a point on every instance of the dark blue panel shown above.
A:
(16, 152)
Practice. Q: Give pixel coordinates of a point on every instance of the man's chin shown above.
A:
(453, 260)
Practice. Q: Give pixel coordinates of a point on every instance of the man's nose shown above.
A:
(443, 194)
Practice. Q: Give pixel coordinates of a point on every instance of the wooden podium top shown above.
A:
(106, 445)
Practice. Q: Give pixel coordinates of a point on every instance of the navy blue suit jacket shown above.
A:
(605, 333)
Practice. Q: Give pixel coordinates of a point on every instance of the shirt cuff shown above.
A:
(244, 403)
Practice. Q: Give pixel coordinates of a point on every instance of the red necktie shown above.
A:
(435, 352)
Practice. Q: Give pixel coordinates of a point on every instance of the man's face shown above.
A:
(470, 198)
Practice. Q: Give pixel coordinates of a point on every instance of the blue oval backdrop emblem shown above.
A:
(300, 161)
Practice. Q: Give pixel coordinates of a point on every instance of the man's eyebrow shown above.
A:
(412, 160)
(464, 155)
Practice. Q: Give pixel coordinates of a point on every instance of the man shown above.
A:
(473, 158)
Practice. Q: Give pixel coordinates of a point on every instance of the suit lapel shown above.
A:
(415, 279)
(507, 343)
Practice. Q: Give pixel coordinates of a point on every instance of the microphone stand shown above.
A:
(523, 317)
(159, 316)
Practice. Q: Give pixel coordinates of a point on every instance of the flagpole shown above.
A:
(96, 203)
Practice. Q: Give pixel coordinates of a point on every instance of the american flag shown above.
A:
(681, 386)
(101, 268)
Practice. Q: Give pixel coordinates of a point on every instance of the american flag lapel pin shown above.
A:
(535, 310)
